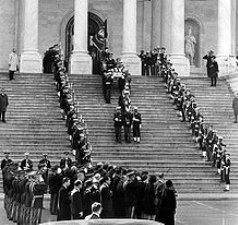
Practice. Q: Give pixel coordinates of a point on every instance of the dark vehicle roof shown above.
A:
(104, 222)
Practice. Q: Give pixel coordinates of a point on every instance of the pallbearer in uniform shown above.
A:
(136, 123)
(118, 123)
(227, 171)
(127, 121)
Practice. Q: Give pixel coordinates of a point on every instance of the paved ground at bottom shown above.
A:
(189, 212)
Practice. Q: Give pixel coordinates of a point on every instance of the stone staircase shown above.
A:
(34, 125)
(166, 145)
(33, 119)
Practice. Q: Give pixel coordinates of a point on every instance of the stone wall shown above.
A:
(7, 30)
(54, 15)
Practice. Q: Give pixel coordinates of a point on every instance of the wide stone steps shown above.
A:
(33, 119)
(166, 143)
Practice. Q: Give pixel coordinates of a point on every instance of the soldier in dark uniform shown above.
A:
(118, 123)
(107, 85)
(227, 162)
(6, 161)
(136, 123)
(127, 121)
(111, 64)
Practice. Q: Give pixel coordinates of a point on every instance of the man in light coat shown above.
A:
(13, 63)
(235, 106)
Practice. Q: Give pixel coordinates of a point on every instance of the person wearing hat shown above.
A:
(6, 161)
(136, 123)
(3, 104)
(227, 166)
(235, 106)
(208, 57)
(44, 165)
(127, 122)
(118, 123)
(26, 164)
(44, 162)
(213, 71)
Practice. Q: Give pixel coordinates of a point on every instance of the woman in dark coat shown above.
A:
(168, 205)
(149, 199)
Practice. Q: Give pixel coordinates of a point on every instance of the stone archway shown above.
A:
(94, 25)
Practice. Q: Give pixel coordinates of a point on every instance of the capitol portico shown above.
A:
(32, 26)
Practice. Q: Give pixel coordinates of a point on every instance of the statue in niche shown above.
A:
(190, 42)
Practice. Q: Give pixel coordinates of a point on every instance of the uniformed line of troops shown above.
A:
(76, 126)
(211, 144)
(24, 192)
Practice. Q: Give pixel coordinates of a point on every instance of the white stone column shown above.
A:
(180, 62)
(226, 63)
(156, 23)
(166, 24)
(31, 61)
(129, 55)
(80, 61)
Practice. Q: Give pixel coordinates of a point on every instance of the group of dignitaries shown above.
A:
(152, 62)
(84, 191)
(211, 144)
(126, 115)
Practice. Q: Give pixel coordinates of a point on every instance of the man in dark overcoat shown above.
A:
(3, 105)
(64, 211)
(77, 200)
(213, 71)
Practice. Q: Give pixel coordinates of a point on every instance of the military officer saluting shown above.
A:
(136, 123)
(118, 123)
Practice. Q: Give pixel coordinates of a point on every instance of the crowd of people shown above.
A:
(211, 144)
(153, 61)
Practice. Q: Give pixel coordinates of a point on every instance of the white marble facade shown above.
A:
(153, 24)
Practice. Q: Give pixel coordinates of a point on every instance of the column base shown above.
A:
(80, 63)
(226, 65)
(181, 65)
(132, 63)
(31, 62)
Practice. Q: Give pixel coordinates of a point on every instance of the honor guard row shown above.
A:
(76, 126)
(212, 146)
